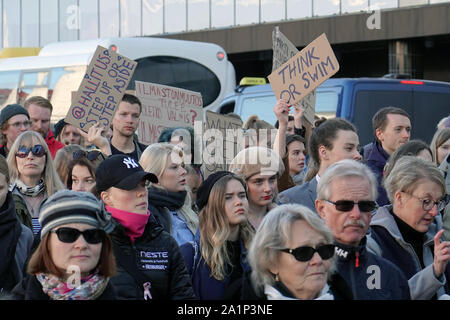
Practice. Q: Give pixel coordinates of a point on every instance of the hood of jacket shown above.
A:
(378, 155)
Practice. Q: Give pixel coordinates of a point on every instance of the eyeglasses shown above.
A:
(428, 204)
(305, 253)
(70, 235)
(18, 125)
(347, 205)
(37, 150)
(90, 155)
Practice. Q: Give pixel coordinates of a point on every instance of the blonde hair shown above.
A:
(154, 159)
(50, 176)
(215, 229)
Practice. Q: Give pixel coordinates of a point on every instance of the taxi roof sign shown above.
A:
(251, 81)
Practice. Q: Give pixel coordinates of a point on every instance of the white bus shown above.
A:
(59, 68)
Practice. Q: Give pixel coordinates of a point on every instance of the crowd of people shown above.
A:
(303, 214)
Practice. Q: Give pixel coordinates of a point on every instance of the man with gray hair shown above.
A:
(346, 196)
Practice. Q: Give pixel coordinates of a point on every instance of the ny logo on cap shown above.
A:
(130, 163)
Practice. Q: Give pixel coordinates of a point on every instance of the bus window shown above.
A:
(261, 106)
(9, 81)
(33, 84)
(178, 72)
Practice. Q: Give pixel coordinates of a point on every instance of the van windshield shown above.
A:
(261, 106)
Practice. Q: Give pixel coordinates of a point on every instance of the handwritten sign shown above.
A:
(101, 89)
(222, 134)
(304, 72)
(163, 107)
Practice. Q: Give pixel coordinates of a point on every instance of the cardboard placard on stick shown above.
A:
(304, 72)
(222, 137)
(163, 107)
(101, 89)
(283, 50)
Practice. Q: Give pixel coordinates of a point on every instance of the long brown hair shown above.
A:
(215, 229)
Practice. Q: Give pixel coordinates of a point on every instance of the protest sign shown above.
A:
(221, 138)
(304, 72)
(163, 107)
(283, 50)
(101, 89)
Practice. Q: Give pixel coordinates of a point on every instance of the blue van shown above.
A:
(357, 100)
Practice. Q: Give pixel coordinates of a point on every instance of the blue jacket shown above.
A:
(305, 194)
(370, 277)
(386, 241)
(376, 161)
(205, 286)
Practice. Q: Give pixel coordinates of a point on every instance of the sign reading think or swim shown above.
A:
(305, 71)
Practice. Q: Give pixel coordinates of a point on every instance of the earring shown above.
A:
(277, 279)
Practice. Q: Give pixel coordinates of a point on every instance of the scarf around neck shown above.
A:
(30, 191)
(162, 198)
(90, 288)
(134, 223)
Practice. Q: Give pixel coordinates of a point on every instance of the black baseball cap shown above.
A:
(122, 172)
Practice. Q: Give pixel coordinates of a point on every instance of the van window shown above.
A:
(429, 108)
(367, 103)
(178, 72)
(326, 101)
(261, 106)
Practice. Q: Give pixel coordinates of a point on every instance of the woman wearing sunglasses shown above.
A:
(408, 232)
(33, 177)
(219, 258)
(74, 259)
(150, 265)
(168, 199)
(260, 168)
(291, 257)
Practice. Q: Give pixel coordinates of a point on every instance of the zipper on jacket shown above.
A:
(357, 259)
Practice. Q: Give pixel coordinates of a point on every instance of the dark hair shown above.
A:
(294, 137)
(380, 121)
(290, 118)
(410, 148)
(78, 162)
(41, 260)
(325, 134)
(132, 100)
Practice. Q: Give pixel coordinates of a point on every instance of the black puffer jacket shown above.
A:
(159, 265)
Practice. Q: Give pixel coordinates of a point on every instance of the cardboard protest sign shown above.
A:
(101, 89)
(283, 50)
(221, 137)
(304, 72)
(163, 107)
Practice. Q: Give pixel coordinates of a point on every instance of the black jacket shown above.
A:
(31, 289)
(157, 262)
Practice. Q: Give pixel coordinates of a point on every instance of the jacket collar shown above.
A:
(384, 218)
(346, 252)
(378, 154)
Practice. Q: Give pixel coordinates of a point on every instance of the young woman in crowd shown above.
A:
(260, 168)
(408, 232)
(291, 257)
(169, 200)
(440, 145)
(219, 258)
(15, 239)
(62, 159)
(149, 262)
(74, 260)
(33, 177)
(80, 175)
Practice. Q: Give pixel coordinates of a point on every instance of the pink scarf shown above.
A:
(134, 223)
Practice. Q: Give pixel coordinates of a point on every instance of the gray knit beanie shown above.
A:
(68, 206)
(10, 111)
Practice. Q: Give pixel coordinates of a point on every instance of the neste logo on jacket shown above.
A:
(154, 260)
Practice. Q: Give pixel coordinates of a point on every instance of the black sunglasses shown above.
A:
(305, 254)
(70, 235)
(90, 155)
(37, 150)
(347, 205)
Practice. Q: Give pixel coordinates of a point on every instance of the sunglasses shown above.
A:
(305, 253)
(90, 155)
(37, 150)
(70, 235)
(347, 205)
